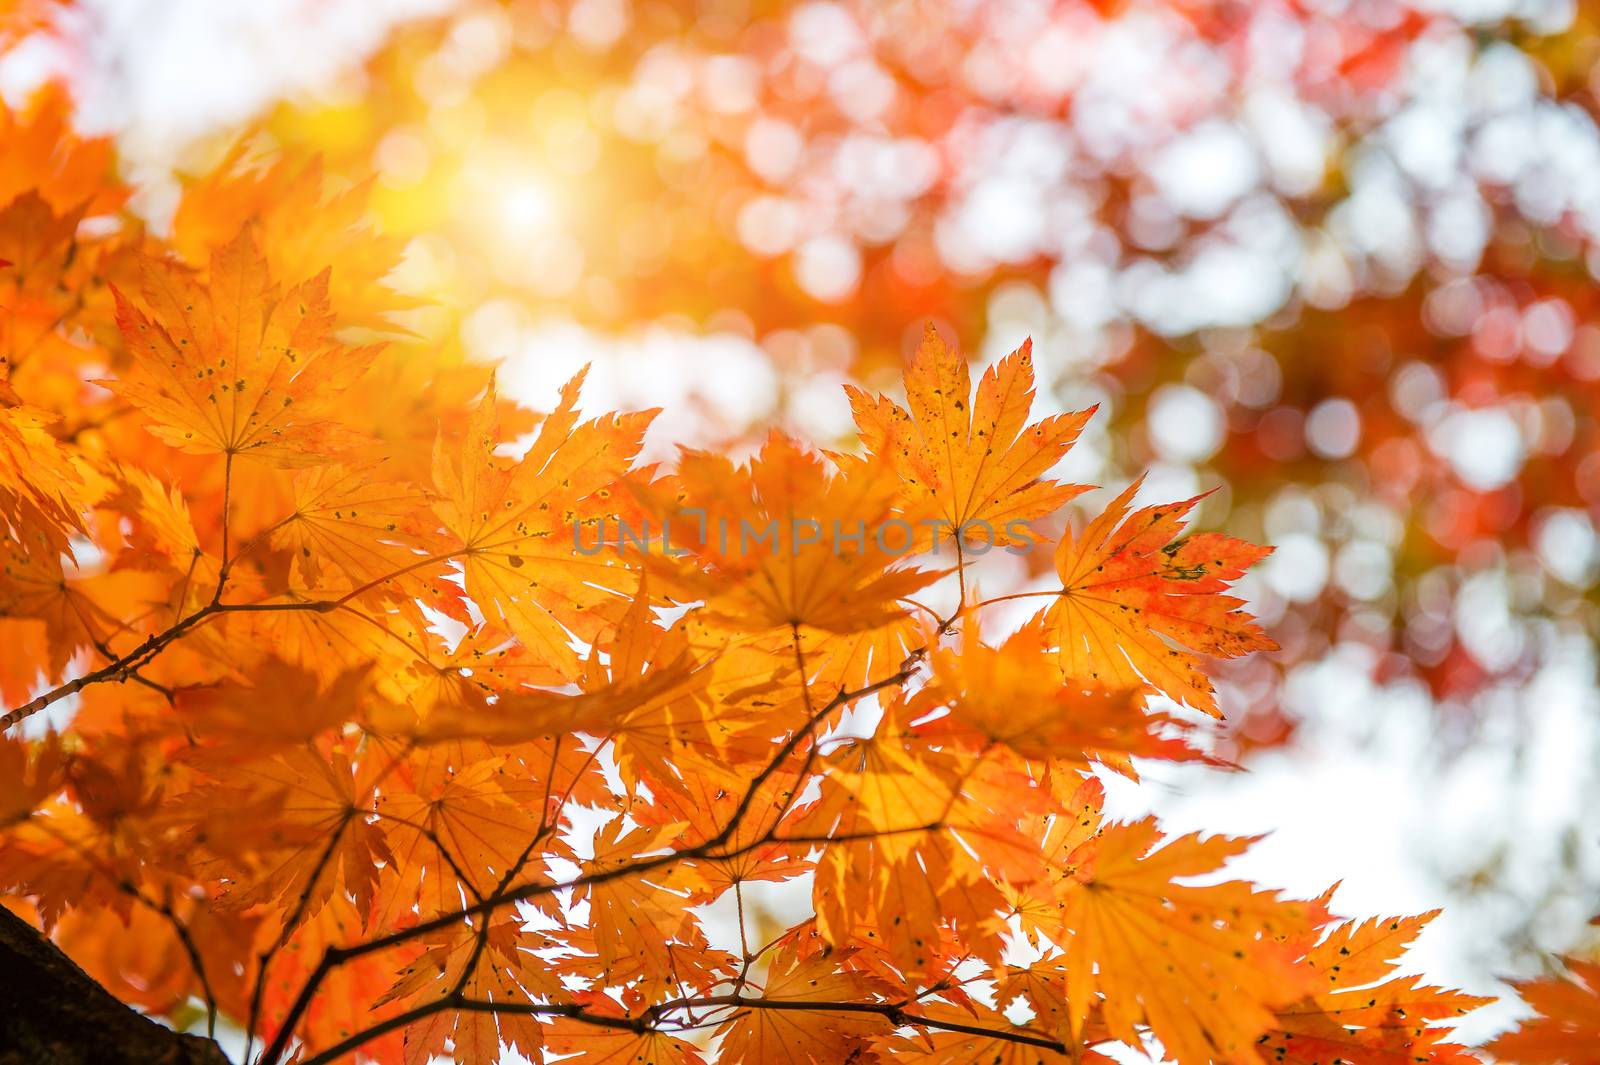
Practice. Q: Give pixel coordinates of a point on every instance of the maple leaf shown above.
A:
(1358, 1013)
(640, 924)
(1128, 587)
(45, 156)
(19, 671)
(352, 988)
(440, 693)
(307, 842)
(284, 706)
(1566, 1029)
(516, 523)
(353, 520)
(164, 534)
(235, 367)
(29, 774)
(43, 494)
(605, 1045)
(78, 610)
(706, 799)
(781, 544)
(304, 633)
(642, 689)
(794, 1038)
(894, 867)
(982, 466)
(647, 697)
(52, 314)
(45, 489)
(105, 830)
(302, 225)
(452, 826)
(1011, 694)
(1202, 966)
(51, 860)
(498, 969)
(139, 957)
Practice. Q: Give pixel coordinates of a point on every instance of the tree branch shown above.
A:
(650, 1020)
(54, 1013)
(333, 957)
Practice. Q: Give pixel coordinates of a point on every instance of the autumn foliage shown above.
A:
(354, 707)
(390, 739)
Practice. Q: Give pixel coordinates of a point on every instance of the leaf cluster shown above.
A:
(371, 754)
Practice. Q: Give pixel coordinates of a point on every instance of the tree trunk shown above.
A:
(53, 1013)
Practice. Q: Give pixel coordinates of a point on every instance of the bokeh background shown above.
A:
(1335, 258)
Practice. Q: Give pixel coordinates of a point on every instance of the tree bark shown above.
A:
(53, 1013)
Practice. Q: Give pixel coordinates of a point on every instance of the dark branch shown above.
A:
(53, 1013)
(333, 957)
(895, 1012)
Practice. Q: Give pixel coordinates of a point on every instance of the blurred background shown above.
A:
(1335, 258)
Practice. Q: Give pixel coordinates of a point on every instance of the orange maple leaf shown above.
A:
(1128, 587)
(353, 520)
(235, 367)
(29, 775)
(43, 494)
(603, 1045)
(1204, 967)
(779, 543)
(45, 155)
(962, 467)
(640, 926)
(302, 223)
(452, 827)
(1011, 694)
(1359, 1012)
(786, 1037)
(517, 524)
(306, 841)
(498, 966)
(1566, 1030)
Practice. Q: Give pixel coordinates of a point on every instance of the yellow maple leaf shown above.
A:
(979, 468)
(234, 366)
(517, 524)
